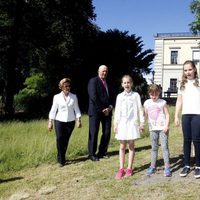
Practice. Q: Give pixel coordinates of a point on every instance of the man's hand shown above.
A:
(106, 111)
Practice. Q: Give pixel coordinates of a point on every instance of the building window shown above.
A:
(173, 84)
(196, 56)
(174, 57)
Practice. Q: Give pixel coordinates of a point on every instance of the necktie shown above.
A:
(105, 85)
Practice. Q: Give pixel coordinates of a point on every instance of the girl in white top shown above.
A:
(128, 122)
(64, 112)
(189, 101)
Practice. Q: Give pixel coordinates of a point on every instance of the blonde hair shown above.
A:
(184, 77)
(127, 76)
(154, 88)
(64, 80)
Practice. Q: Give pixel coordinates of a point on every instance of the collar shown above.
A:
(190, 81)
(64, 94)
(128, 93)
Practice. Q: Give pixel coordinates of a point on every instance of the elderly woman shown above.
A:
(64, 111)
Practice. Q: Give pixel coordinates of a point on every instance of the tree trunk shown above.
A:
(10, 86)
(9, 92)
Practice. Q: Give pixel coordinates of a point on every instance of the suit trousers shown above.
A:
(63, 133)
(94, 124)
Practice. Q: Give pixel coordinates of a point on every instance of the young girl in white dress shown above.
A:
(128, 122)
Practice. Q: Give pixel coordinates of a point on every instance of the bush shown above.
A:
(32, 98)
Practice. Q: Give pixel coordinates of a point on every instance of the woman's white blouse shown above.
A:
(65, 110)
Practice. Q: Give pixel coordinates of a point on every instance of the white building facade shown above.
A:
(172, 50)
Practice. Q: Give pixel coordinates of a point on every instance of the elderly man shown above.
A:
(99, 111)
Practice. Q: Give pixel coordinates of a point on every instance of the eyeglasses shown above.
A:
(67, 86)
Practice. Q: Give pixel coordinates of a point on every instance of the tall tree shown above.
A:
(128, 57)
(38, 34)
(195, 9)
(58, 39)
(123, 54)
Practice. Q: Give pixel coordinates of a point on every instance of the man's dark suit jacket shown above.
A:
(98, 97)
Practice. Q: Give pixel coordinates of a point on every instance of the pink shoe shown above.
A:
(129, 172)
(120, 174)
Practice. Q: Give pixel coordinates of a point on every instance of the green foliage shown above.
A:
(43, 35)
(195, 9)
(29, 144)
(23, 144)
(34, 91)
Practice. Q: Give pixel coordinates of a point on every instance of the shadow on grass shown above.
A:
(175, 162)
(10, 179)
(110, 154)
(77, 160)
(137, 149)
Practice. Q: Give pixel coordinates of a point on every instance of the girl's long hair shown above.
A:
(184, 77)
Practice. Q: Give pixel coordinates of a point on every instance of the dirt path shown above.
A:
(158, 178)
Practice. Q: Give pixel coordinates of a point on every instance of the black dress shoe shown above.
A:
(93, 158)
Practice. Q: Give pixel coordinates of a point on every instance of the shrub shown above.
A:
(32, 97)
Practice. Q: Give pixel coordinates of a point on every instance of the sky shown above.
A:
(144, 18)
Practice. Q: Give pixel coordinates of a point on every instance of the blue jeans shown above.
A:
(191, 133)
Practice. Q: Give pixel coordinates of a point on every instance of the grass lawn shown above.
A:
(28, 168)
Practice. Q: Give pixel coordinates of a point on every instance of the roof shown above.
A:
(180, 34)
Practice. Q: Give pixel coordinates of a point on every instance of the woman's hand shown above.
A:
(176, 121)
(78, 123)
(50, 125)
